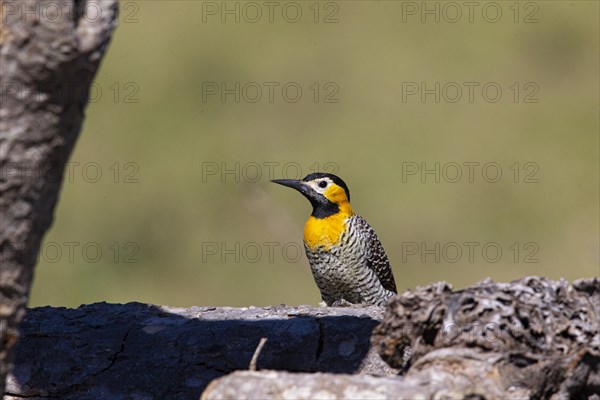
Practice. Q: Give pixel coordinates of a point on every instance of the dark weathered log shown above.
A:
(533, 334)
(49, 54)
(532, 338)
(150, 352)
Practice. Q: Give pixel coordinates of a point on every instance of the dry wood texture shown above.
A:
(532, 338)
(49, 56)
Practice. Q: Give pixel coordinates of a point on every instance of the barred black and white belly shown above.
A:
(356, 269)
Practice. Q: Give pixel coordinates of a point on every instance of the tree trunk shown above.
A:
(49, 54)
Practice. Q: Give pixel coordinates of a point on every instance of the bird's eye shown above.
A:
(323, 184)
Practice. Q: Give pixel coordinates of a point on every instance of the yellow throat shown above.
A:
(326, 231)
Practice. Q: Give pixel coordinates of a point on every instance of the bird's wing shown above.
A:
(376, 258)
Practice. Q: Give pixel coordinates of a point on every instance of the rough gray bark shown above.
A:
(247, 385)
(49, 54)
(463, 344)
(438, 383)
(148, 352)
(529, 339)
(533, 335)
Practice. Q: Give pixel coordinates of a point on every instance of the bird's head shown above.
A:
(327, 193)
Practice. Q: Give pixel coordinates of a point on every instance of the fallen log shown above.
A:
(531, 338)
(531, 334)
(150, 352)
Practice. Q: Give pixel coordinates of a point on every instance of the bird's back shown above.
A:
(375, 257)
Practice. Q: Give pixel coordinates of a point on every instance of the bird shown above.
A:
(347, 260)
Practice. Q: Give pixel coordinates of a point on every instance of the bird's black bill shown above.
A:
(300, 186)
(321, 206)
(292, 183)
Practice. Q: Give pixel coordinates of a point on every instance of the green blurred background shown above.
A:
(171, 232)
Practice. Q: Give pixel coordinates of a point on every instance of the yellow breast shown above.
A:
(327, 231)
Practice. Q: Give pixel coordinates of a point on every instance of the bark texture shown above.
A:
(532, 338)
(49, 54)
(249, 385)
(528, 339)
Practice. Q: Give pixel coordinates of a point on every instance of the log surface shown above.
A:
(149, 352)
(533, 335)
(439, 343)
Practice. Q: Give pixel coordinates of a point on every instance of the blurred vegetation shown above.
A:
(157, 215)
